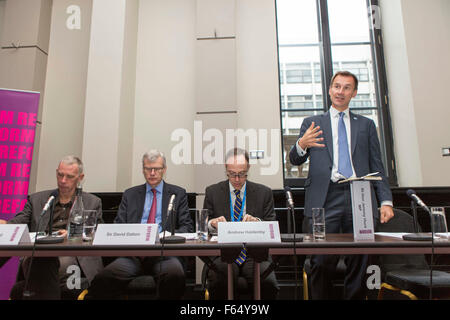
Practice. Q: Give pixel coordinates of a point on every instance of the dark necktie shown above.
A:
(152, 214)
(236, 213)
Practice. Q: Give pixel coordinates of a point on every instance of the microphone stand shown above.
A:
(291, 237)
(432, 253)
(424, 237)
(417, 236)
(172, 238)
(27, 294)
(50, 239)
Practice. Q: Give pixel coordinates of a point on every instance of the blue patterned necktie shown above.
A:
(236, 214)
(344, 164)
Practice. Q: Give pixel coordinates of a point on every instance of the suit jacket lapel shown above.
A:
(354, 128)
(165, 202)
(327, 133)
(249, 204)
(226, 204)
(140, 203)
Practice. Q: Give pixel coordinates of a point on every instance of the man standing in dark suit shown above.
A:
(238, 199)
(48, 276)
(148, 203)
(339, 145)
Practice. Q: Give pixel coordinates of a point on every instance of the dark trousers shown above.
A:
(49, 278)
(218, 281)
(44, 281)
(113, 280)
(338, 219)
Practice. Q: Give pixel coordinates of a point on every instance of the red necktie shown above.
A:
(152, 215)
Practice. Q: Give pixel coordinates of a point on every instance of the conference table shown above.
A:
(339, 244)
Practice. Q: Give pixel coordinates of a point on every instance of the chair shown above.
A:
(409, 275)
(243, 290)
(338, 276)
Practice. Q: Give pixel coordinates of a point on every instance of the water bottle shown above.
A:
(75, 223)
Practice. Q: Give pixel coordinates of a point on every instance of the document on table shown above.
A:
(188, 236)
(399, 235)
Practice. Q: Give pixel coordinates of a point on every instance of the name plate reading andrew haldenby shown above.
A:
(240, 232)
(13, 234)
(125, 234)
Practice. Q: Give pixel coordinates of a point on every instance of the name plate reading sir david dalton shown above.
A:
(240, 232)
(125, 234)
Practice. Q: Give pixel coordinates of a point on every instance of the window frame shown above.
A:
(380, 80)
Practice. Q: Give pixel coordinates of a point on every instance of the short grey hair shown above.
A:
(70, 159)
(154, 155)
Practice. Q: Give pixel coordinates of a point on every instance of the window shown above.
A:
(317, 38)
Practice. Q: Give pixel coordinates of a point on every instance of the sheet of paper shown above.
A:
(398, 235)
(188, 236)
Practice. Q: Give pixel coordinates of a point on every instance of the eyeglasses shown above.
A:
(150, 170)
(235, 175)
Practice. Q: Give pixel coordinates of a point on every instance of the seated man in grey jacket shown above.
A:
(49, 275)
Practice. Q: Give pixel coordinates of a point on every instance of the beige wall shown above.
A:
(417, 46)
(165, 83)
(65, 91)
(145, 71)
(24, 38)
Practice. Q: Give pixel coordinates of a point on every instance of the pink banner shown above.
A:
(18, 115)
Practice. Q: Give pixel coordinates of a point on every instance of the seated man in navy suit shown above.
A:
(339, 145)
(250, 202)
(148, 203)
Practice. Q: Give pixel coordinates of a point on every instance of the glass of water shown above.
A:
(89, 224)
(201, 224)
(318, 215)
(439, 223)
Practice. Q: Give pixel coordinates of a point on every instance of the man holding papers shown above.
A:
(147, 204)
(238, 200)
(339, 145)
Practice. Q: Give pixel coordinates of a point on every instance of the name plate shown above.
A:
(13, 234)
(125, 234)
(247, 232)
(362, 211)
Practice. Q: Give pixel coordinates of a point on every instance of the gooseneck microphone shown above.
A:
(47, 204)
(289, 236)
(422, 236)
(50, 204)
(417, 236)
(171, 214)
(289, 200)
(27, 293)
(412, 194)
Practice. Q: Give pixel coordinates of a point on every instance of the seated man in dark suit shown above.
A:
(48, 276)
(250, 202)
(148, 203)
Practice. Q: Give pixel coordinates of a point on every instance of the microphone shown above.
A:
(412, 194)
(289, 236)
(49, 205)
(417, 236)
(170, 207)
(289, 197)
(27, 293)
(171, 212)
